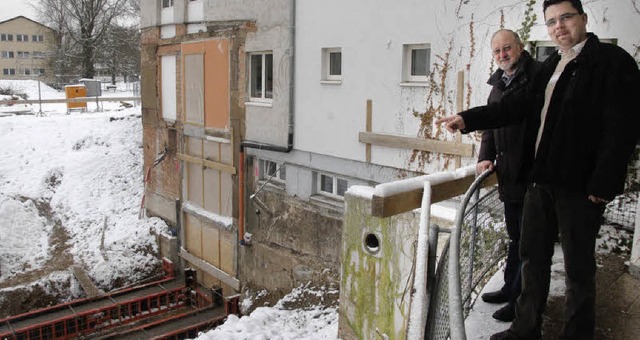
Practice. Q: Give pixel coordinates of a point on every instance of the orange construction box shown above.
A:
(76, 91)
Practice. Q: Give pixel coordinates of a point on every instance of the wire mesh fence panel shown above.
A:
(622, 211)
(483, 242)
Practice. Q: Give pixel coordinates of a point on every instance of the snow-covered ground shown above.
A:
(71, 186)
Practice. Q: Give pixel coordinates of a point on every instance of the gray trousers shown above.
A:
(548, 210)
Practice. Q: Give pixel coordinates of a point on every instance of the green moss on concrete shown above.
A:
(374, 284)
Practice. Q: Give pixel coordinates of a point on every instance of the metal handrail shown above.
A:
(456, 315)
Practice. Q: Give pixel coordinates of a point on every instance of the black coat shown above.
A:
(504, 145)
(591, 126)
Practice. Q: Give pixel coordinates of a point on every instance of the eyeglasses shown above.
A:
(505, 48)
(562, 19)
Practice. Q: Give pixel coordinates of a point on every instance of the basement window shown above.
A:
(332, 186)
(272, 171)
(261, 77)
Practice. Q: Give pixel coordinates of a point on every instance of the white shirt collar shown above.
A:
(575, 50)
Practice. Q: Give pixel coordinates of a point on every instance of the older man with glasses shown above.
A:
(582, 122)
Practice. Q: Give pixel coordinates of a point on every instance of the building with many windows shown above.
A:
(265, 112)
(24, 44)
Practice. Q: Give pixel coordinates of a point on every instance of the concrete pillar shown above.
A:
(378, 256)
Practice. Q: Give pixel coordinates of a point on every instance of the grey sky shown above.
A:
(14, 8)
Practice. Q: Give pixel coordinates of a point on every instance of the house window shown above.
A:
(23, 55)
(7, 54)
(167, 3)
(6, 37)
(37, 38)
(416, 61)
(332, 64)
(273, 171)
(22, 37)
(24, 71)
(38, 55)
(261, 76)
(9, 71)
(38, 71)
(332, 186)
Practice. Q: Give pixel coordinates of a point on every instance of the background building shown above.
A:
(24, 45)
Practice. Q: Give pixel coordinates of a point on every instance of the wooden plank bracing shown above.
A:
(210, 269)
(209, 164)
(406, 201)
(459, 105)
(404, 142)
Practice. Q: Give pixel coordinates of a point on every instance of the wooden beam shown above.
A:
(403, 142)
(368, 129)
(207, 163)
(406, 201)
(459, 105)
(210, 269)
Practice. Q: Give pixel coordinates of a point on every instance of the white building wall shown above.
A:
(371, 34)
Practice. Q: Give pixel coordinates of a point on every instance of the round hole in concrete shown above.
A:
(372, 243)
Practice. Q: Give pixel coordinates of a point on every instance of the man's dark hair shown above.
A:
(577, 4)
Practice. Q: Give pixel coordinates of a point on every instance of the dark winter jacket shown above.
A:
(504, 145)
(591, 126)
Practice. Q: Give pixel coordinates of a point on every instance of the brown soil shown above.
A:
(28, 297)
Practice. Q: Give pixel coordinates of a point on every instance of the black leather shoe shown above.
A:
(504, 335)
(495, 297)
(506, 313)
(509, 335)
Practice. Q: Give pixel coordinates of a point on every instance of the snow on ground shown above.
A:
(84, 171)
(87, 167)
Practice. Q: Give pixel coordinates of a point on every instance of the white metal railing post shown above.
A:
(420, 300)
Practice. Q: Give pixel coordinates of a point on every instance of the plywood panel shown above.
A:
(211, 190)
(194, 183)
(211, 245)
(226, 153)
(226, 195)
(227, 252)
(217, 83)
(193, 235)
(194, 146)
(194, 88)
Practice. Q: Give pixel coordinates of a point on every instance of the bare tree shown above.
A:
(120, 52)
(83, 25)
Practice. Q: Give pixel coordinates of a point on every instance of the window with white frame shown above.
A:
(9, 71)
(332, 64)
(261, 76)
(38, 71)
(7, 54)
(22, 37)
(23, 55)
(37, 38)
(167, 3)
(415, 62)
(273, 171)
(331, 185)
(24, 71)
(6, 37)
(38, 55)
